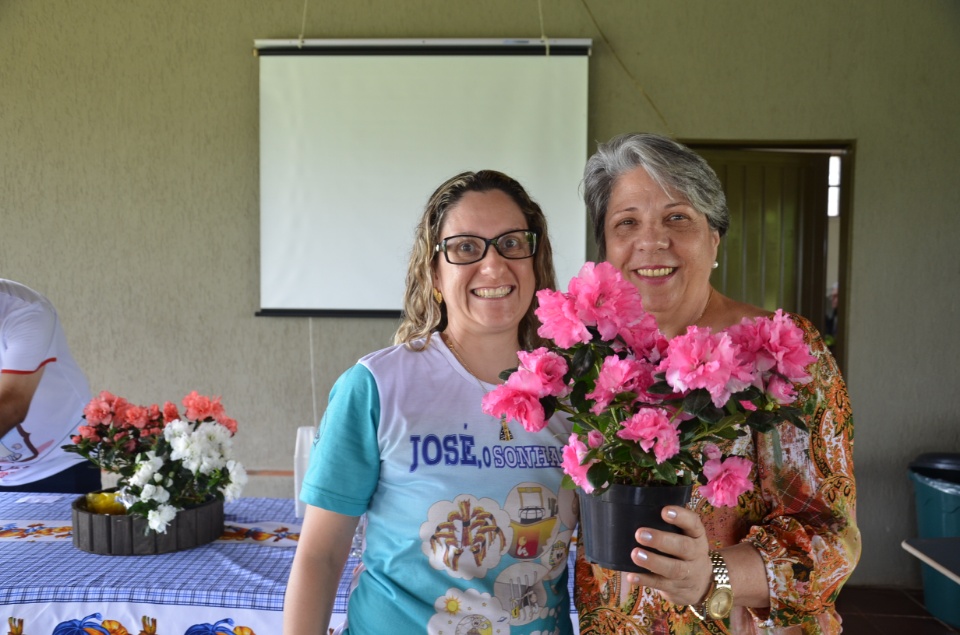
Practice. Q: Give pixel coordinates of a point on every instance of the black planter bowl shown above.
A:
(124, 535)
(609, 521)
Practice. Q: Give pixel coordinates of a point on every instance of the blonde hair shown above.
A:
(422, 316)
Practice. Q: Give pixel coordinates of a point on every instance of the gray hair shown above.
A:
(670, 164)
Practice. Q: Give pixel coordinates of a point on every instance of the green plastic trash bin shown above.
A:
(936, 482)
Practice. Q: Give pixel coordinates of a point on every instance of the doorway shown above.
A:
(787, 246)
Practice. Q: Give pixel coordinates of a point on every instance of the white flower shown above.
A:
(152, 492)
(238, 478)
(159, 518)
(146, 469)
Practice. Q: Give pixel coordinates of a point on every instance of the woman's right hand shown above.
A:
(682, 571)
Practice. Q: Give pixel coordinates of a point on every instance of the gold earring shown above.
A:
(437, 295)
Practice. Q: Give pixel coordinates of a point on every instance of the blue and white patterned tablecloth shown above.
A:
(240, 582)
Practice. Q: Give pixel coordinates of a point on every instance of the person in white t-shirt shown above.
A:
(42, 395)
(467, 525)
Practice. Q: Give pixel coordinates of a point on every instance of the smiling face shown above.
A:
(663, 246)
(492, 295)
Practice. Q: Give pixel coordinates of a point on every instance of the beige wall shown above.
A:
(129, 189)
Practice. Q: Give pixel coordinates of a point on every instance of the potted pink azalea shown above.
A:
(648, 412)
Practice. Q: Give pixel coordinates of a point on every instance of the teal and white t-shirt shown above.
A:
(466, 533)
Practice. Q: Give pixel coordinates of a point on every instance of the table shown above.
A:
(943, 554)
(223, 584)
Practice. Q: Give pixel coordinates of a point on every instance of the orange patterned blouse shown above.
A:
(801, 517)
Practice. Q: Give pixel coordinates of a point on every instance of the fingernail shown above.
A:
(645, 536)
(640, 555)
(672, 514)
(632, 579)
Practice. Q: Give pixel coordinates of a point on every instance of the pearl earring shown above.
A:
(715, 264)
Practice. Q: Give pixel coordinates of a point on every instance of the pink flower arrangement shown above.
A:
(166, 461)
(646, 410)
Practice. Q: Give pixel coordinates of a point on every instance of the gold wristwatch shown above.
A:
(719, 601)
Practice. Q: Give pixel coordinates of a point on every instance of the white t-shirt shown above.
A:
(31, 338)
(465, 532)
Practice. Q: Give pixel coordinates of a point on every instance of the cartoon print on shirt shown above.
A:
(520, 590)
(466, 537)
(554, 559)
(468, 612)
(534, 513)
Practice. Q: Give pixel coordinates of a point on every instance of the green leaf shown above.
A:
(599, 474)
(761, 420)
(696, 401)
(660, 388)
(666, 472)
(505, 374)
(582, 361)
(549, 406)
(777, 449)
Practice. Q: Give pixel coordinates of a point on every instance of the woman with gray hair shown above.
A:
(775, 562)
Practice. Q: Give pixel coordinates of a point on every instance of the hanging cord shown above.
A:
(303, 24)
(543, 33)
(626, 70)
(313, 376)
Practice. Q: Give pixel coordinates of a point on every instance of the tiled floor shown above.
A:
(884, 611)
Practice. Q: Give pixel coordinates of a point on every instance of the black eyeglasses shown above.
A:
(465, 249)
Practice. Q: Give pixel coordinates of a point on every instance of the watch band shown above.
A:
(719, 593)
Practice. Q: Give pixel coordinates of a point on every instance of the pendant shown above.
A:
(505, 434)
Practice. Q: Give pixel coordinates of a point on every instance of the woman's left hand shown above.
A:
(682, 571)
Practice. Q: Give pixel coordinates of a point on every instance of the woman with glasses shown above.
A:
(467, 525)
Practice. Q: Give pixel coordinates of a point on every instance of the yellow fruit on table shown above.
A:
(105, 503)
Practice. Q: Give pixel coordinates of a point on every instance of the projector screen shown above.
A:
(355, 136)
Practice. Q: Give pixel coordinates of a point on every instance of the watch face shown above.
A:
(720, 603)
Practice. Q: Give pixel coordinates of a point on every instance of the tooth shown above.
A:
(655, 273)
(493, 293)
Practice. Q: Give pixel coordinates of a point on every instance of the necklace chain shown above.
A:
(505, 434)
(704, 310)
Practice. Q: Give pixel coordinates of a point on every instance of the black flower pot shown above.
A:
(609, 521)
(127, 535)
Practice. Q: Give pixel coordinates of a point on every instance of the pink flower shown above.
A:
(747, 405)
(228, 423)
(726, 480)
(644, 338)
(774, 344)
(98, 411)
(200, 408)
(604, 298)
(558, 319)
(780, 390)
(616, 376)
(573, 453)
(548, 367)
(516, 404)
(170, 412)
(651, 428)
(595, 439)
(711, 451)
(87, 432)
(700, 359)
(136, 416)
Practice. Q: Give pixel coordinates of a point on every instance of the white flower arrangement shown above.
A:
(166, 462)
